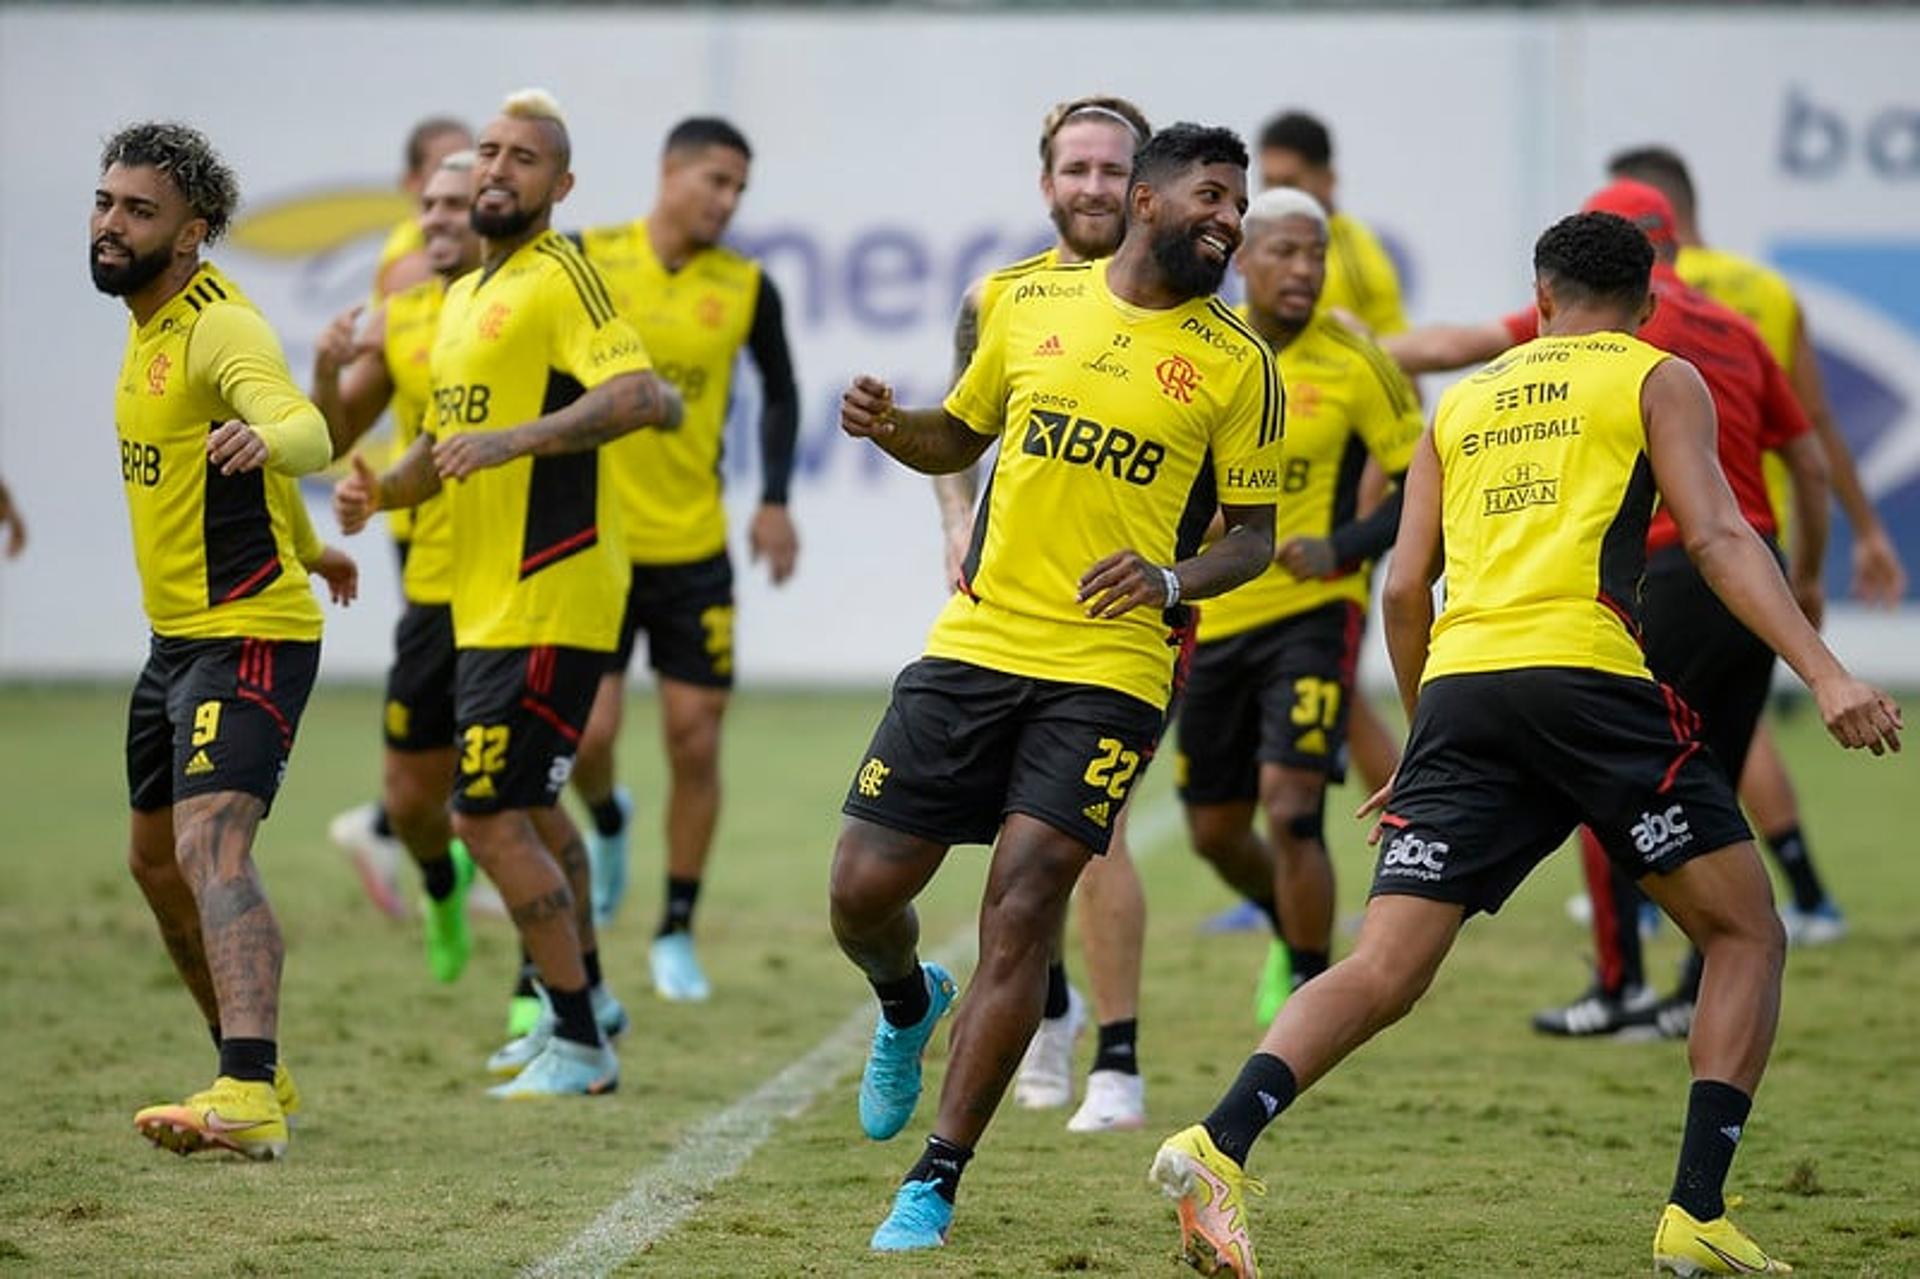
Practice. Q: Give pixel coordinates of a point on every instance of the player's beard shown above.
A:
(1087, 247)
(1176, 252)
(131, 276)
(504, 226)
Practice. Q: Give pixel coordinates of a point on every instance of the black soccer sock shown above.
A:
(249, 1059)
(1716, 1112)
(573, 1009)
(941, 1162)
(590, 959)
(215, 1032)
(1118, 1043)
(1789, 848)
(1057, 1000)
(382, 824)
(682, 894)
(905, 1001)
(1307, 964)
(1265, 1088)
(438, 877)
(529, 973)
(609, 819)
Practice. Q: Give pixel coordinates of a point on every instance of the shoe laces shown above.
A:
(921, 1206)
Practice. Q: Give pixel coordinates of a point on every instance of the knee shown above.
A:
(1297, 820)
(693, 745)
(1214, 837)
(152, 868)
(410, 800)
(473, 831)
(1394, 982)
(856, 892)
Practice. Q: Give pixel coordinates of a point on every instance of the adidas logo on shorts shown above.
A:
(1098, 814)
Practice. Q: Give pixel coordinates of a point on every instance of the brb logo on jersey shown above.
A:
(1657, 834)
(1412, 857)
(1080, 441)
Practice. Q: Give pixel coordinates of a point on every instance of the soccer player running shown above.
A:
(365, 832)
(695, 303)
(1132, 404)
(358, 372)
(212, 431)
(531, 372)
(1714, 664)
(1533, 711)
(1086, 159)
(1764, 297)
(1263, 722)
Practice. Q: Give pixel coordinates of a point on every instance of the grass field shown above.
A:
(1461, 1144)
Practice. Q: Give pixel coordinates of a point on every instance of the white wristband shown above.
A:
(1172, 580)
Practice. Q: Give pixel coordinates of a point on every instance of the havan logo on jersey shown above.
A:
(1522, 485)
(1080, 441)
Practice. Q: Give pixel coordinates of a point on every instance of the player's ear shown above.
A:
(1647, 306)
(1140, 202)
(191, 236)
(1542, 301)
(562, 186)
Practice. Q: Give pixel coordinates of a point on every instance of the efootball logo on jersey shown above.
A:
(1862, 299)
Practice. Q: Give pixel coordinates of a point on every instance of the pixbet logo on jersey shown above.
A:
(1657, 834)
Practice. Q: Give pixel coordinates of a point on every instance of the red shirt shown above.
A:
(1751, 395)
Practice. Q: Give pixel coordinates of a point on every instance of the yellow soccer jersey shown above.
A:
(996, 285)
(406, 237)
(1546, 495)
(1124, 428)
(538, 555)
(1361, 277)
(216, 553)
(694, 322)
(1345, 399)
(413, 316)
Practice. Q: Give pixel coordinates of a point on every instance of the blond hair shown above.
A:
(538, 104)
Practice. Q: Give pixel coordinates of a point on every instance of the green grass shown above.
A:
(1459, 1144)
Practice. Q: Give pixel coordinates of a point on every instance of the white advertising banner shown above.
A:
(894, 161)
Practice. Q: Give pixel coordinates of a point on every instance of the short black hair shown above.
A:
(183, 153)
(701, 131)
(1300, 133)
(1179, 147)
(426, 131)
(1661, 168)
(1595, 257)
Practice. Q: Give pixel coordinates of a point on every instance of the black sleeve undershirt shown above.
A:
(780, 406)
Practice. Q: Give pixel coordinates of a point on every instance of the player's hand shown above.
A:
(771, 537)
(338, 344)
(458, 456)
(958, 536)
(1377, 803)
(866, 409)
(1120, 583)
(1878, 575)
(357, 496)
(15, 526)
(235, 448)
(1859, 714)
(1307, 558)
(342, 576)
(1811, 596)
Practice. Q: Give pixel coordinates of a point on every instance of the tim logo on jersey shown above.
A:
(1080, 441)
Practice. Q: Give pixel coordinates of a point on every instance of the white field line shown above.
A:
(666, 1193)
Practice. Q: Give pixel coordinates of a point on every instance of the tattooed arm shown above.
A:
(931, 441)
(605, 413)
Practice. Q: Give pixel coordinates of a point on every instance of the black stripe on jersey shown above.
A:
(562, 495)
(1385, 371)
(236, 530)
(1203, 499)
(1340, 249)
(586, 281)
(1273, 406)
(1025, 266)
(970, 566)
(193, 302)
(1346, 485)
(1623, 551)
(214, 285)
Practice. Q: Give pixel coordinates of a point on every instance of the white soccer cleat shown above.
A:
(1115, 1102)
(1045, 1081)
(376, 858)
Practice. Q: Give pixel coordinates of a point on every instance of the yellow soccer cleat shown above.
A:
(234, 1114)
(1210, 1192)
(1683, 1246)
(287, 1093)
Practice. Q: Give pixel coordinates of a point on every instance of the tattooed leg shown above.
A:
(536, 892)
(150, 856)
(213, 839)
(561, 838)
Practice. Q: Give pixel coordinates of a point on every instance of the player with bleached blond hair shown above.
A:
(531, 372)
